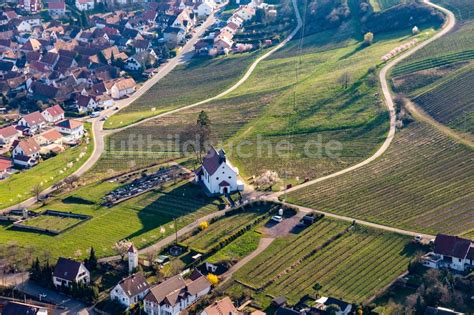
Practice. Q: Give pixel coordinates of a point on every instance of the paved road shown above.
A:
(448, 26)
(98, 132)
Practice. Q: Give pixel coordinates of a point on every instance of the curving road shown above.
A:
(447, 27)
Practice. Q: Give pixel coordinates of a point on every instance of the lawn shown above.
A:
(19, 186)
(52, 222)
(422, 183)
(143, 220)
(380, 5)
(354, 266)
(195, 81)
(261, 113)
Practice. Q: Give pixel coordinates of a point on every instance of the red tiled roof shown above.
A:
(5, 164)
(55, 110)
(34, 119)
(8, 132)
(69, 123)
(28, 146)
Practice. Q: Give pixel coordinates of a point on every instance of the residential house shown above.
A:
(246, 13)
(72, 130)
(141, 60)
(122, 87)
(68, 271)
(451, 252)
(174, 35)
(323, 302)
(85, 5)
(85, 103)
(31, 6)
(205, 8)
(175, 294)
(130, 290)
(221, 307)
(6, 166)
(57, 8)
(26, 153)
(51, 136)
(53, 114)
(217, 174)
(33, 122)
(18, 308)
(8, 135)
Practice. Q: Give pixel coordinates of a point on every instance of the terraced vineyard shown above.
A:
(451, 102)
(348, 267)
(424, 182)
(434, 62)
(464, 9)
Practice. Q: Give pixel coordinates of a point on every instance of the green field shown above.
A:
(18, 187)
(422, 183)
(353, 267)
(143, 220)
(263, 109)
(52, 222)
(195, 81)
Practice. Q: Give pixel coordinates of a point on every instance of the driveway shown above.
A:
(65, 304)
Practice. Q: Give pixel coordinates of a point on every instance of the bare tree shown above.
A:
(344, 80)
(36, 191)
(196, 138)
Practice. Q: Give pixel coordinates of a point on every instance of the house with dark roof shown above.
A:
(451, 252)
(217, 175)
(68, 271)
(175, 294)
(130, 290)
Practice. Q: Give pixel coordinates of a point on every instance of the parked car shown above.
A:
(277, 218)
(95, 114)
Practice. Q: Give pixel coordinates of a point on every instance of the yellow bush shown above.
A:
(213, 279)
(203, 225)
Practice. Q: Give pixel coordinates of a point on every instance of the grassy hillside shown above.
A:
(274, 107)
(185, 85)
(347, 267)
(423, 183)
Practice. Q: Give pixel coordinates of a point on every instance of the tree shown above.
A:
(196, 138)
(36, 191)
(368, 38)
(92, 261)
(415, 30)
(267, 179)
(121, 248)
(344, 80)
(333, 309)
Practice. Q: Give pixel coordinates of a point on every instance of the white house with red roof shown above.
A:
(26, 153)
(33, 121)
(71, 129)
(5, 166)
(53, 114)
(8, 135)
(218, 175)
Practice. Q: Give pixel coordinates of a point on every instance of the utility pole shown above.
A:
(176, 231)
